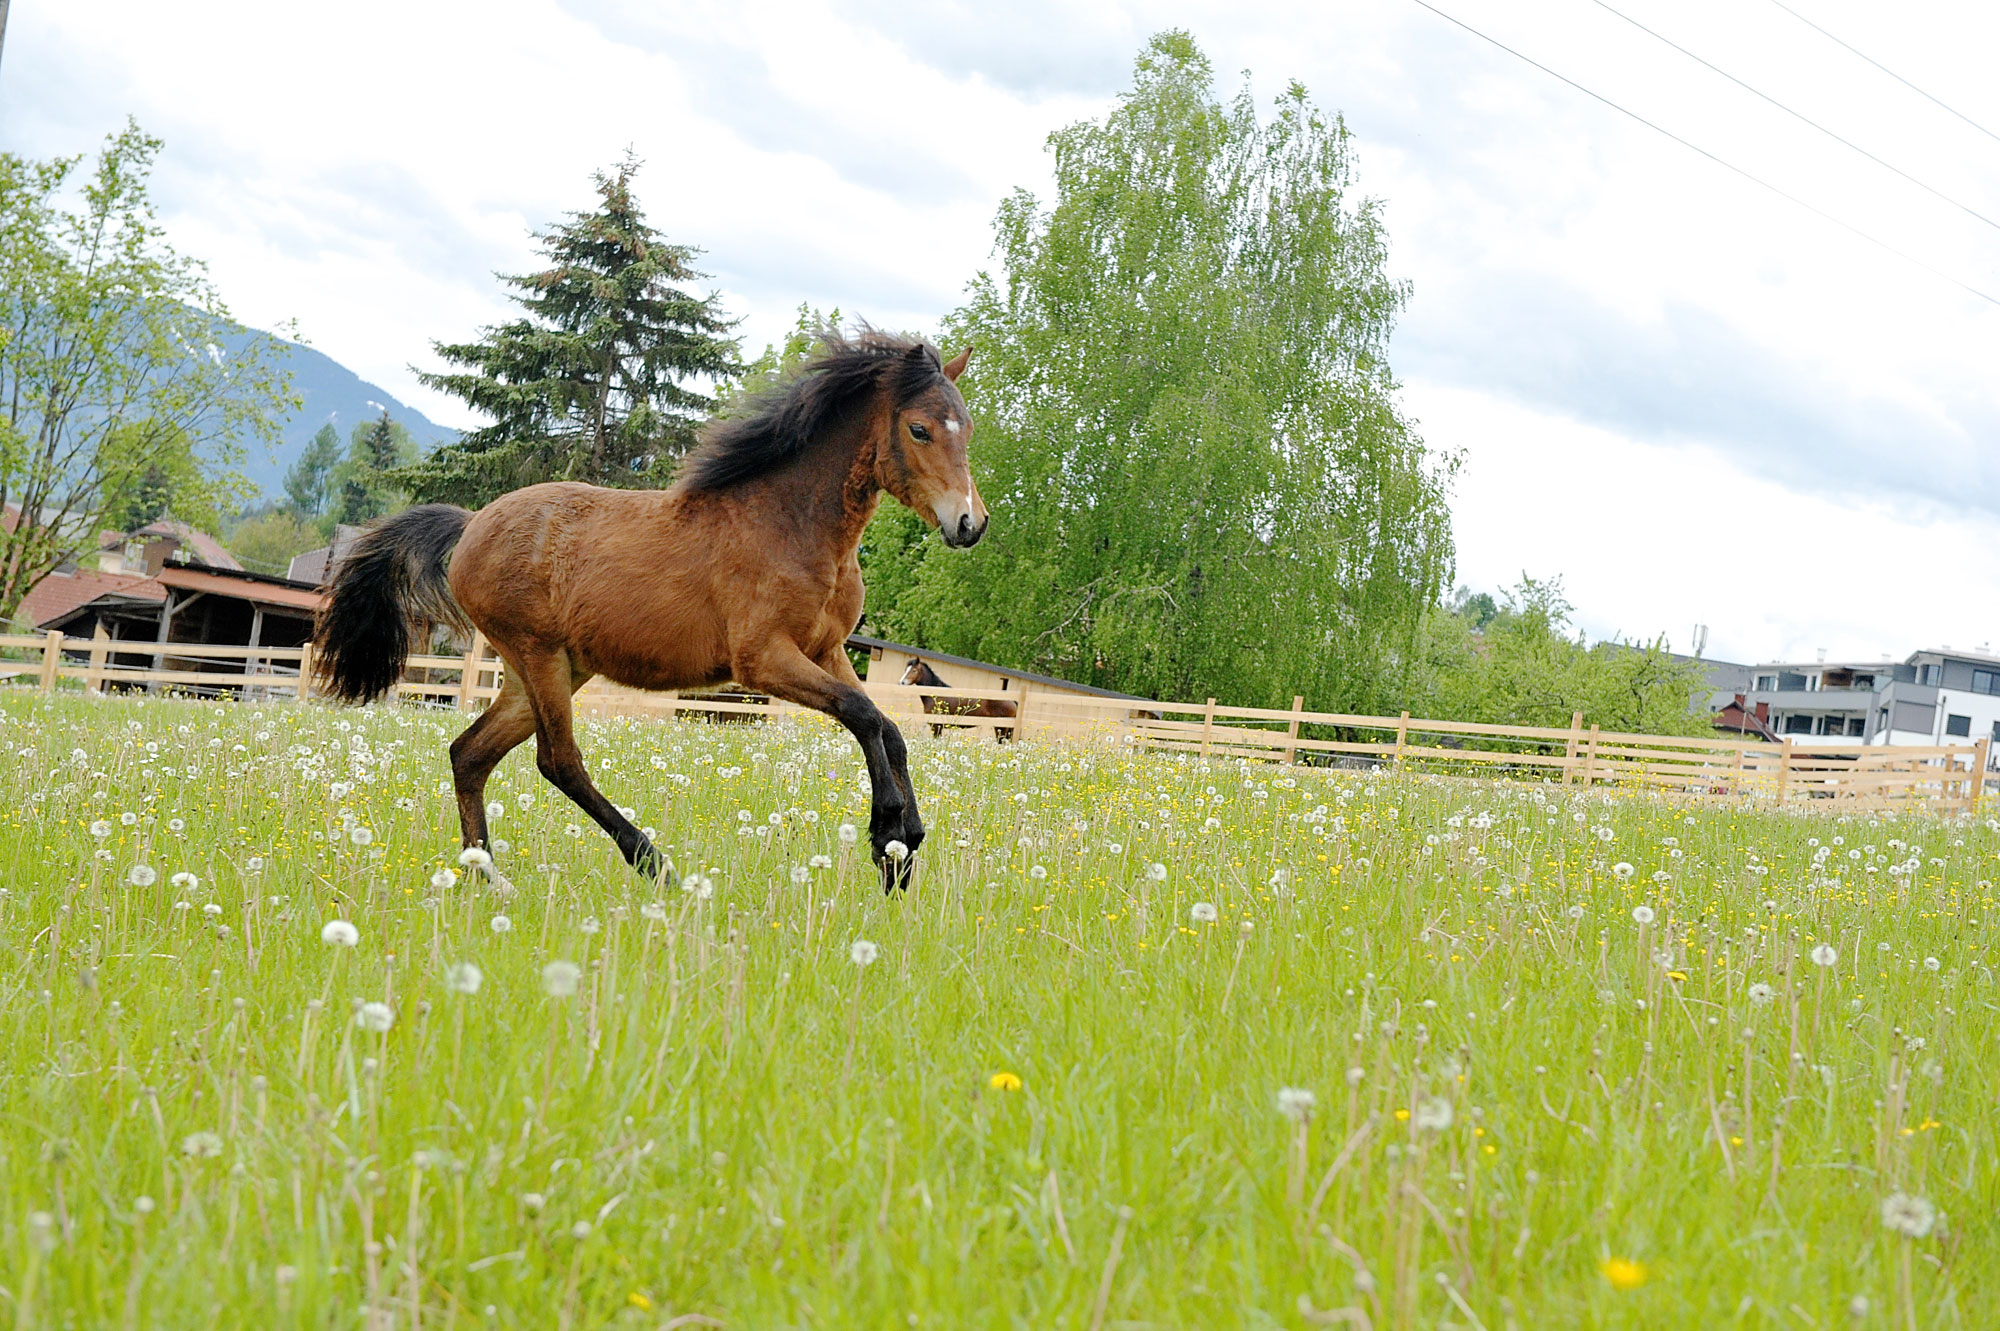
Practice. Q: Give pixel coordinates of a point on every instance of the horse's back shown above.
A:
(615, 577)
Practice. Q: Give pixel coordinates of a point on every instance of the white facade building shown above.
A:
(1936, 696)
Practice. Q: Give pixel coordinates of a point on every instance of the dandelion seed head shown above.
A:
(474, 857)
(1912, 1217)
(339, 933)
(1433, 1115)
(559, 978)
(1642, 914)
(1202, 912)
(377, 1017)
(464, 978)
(1296, 1103)
(500, 924)
(142, 875)
(862, 952)
(1824, 955)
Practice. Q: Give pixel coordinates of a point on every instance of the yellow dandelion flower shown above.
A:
(639, 1301)
(1004, 1081)
(1623, 1272)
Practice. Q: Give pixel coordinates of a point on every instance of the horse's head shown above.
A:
(919, 674)
(923, 461)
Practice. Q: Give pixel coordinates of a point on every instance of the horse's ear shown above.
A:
(956, 365)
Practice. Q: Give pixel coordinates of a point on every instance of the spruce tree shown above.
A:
(601, 381)
(309, 484)
(368, 481)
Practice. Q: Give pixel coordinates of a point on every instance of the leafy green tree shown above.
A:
(601, 382)
(368, 483)
(113, 383)
(310, 482)
(1525, 666)
(1187, 430)
(265, 541)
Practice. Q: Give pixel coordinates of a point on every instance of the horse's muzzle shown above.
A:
(965, 532)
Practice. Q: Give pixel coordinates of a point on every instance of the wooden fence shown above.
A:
(1828, 775)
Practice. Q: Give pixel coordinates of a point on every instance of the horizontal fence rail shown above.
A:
(1831, 775)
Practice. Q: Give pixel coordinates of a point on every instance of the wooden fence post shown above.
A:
(305, 688)
(1402, 738)
(468, 678)
(93, 677)
(1207, 725)
(1784, 770)
(1590, 757)
(1292, 731)
(1570, 750)
(51, 659)
(1736, 775)
(1982, 753)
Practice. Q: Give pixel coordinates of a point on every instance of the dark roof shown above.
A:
(945, 658)
(315, 566)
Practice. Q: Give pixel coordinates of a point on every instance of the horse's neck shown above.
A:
(837, 477)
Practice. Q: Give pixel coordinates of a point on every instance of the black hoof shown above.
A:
(897, 873)
(649, 864)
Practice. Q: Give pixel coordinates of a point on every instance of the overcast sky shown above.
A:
(1692, 400)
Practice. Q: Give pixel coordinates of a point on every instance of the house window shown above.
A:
(1928, 675)
(1958, 725)
(1855, 725)
(1986, 681)
(1996, 732)
(1767, 683)
(1798, 725)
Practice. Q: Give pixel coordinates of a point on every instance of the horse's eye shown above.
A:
(919, 433)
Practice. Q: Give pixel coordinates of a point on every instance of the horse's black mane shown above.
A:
(779, 424)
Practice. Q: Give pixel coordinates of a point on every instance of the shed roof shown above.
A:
(241, 585)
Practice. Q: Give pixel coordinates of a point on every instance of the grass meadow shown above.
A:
(1155, 1042)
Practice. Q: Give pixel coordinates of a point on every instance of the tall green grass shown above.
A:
(1066, 1092)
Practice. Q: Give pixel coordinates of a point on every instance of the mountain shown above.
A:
(333, 393)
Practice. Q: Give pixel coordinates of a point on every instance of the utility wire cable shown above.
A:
(1802, 118)
(1886, 70)
(1725, 165)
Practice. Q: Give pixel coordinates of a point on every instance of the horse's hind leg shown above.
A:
(479, 749)
(550, 680)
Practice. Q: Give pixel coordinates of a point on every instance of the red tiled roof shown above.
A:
(62, 594)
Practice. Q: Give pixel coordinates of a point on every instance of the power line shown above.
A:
(1799, 116)
(1726, 165)
(1886, 70)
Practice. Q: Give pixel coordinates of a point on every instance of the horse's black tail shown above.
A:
(394, 573)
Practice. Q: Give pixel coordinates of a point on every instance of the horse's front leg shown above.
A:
(895, 829)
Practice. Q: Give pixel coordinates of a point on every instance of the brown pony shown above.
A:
(743, 569)
(920, 675)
